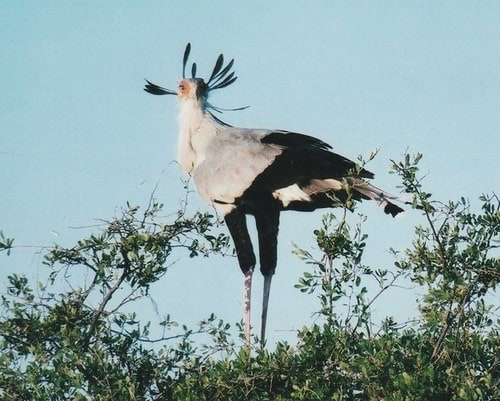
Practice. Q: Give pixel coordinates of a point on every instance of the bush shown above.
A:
(82, 343)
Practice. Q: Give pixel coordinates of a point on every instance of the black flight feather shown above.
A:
(305, 157)
(294, 140)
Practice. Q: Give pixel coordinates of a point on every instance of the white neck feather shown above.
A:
(190, 121)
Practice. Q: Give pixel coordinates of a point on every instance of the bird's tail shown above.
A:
(384, 199)
(318, 193)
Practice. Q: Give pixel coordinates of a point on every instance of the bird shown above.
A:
(258, 172)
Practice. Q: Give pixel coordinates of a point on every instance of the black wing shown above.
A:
(308, 158)
(294, 140)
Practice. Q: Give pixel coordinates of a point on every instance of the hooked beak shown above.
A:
(157, 90)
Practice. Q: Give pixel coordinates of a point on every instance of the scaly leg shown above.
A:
(267, 228)
(237, 225)
(265, 303)
(247, 297)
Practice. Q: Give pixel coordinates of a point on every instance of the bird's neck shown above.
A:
(194, 122)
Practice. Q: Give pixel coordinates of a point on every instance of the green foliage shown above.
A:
(340, 277)
(5, 243)
(453, 257)
(89, 343)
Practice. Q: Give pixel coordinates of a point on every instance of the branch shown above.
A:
(108, 297)
(439, 343)
(369, 304)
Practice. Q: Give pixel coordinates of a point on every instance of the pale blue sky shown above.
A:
(79, 137)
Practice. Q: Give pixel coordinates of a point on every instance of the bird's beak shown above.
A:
(157, 90)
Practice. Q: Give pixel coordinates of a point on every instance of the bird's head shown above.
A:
(192, 88)
(198, 89)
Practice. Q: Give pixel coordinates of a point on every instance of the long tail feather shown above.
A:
(318, 193)
(384, 199)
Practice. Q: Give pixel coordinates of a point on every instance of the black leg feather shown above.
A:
(237, 225)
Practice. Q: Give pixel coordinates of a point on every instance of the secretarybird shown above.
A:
(258, 172)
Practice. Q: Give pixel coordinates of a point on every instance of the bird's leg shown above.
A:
(267, 229)
(265, 303)
(247, 297)
(236, 222)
